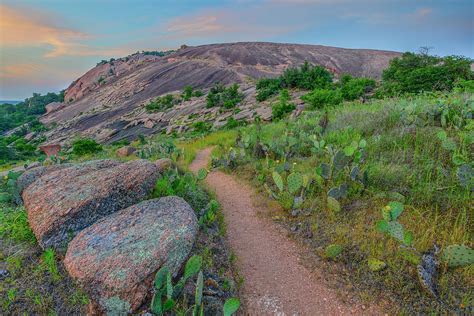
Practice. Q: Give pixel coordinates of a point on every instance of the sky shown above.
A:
(46, 44)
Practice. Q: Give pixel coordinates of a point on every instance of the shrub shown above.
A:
(187, 93)
(198, 93)
(354, 88)
(413, 73)
(282, 107)
(221, 96)
(161, 103)
(233, 123)
(267, 87)
(201, 127)
(86, 146)
(307, 77)
(320, 98)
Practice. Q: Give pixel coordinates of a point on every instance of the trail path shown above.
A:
(275, 281)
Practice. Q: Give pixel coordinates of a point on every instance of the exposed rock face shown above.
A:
(62, 202)
(125, 151)
(115, 259)
(113, 110)
(54, 106)
(32, 174)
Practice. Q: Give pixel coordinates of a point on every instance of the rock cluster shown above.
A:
(115, 240)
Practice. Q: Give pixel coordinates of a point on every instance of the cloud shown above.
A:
(229, 24)
(25, 28)
(19, 70)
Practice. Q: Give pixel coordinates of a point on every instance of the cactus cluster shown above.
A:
(391, 226)
(166, 294)
(289, 195)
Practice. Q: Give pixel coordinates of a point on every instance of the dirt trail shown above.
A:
(276, 283)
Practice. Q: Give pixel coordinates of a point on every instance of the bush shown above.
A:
(320, 98)
(306, 77)
(86, 146)
(161, 103)
(201, 127)
(282, 107)
(221, 96)
(187, 93)
(355, 88)
(414, 73)
(267, 87)
(233, 123)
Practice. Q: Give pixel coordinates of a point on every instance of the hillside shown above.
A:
(105, 103)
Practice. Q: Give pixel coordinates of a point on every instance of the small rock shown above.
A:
(33, 165)
(125, 151)
(295, 213)
(3, 273)
(50, 149)
(116, 259)
(164, 164)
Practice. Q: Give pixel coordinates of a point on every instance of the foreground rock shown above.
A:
(115, 259)
(63, 202)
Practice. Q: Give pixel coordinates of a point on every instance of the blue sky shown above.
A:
(46, 44)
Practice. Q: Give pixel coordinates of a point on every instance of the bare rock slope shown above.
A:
(107, 102)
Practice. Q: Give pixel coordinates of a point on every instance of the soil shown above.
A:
(275, 280)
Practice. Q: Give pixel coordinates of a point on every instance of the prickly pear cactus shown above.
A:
(202, 174)
(465, 175)
(339, 160)
(332, 251)
(294, 182)
(324, 171)
(395, 229)
(278, 180)
(355, 173)
(458, 255)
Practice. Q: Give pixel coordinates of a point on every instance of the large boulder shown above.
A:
(115, 259)
(30, 175)
(63, 202)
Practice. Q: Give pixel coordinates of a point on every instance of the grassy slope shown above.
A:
(405, 160)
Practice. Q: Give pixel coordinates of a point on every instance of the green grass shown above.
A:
(219, 138)
(14, 225)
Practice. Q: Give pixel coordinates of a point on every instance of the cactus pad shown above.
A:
(332, 251)
(278, 180)
(333, 205)
(294, 182)
(465, 175)
(395, 229)
(376, 265)
(458, 255)
(339, 160)
(202, 174)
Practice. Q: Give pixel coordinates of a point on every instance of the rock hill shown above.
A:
(107, 102)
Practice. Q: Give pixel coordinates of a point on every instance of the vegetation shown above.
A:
(161, 104)
(413, 73)
(81, 147)
(306, 77)
(410, 155)
(283, 106)
(14, 115)
(226, 97)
